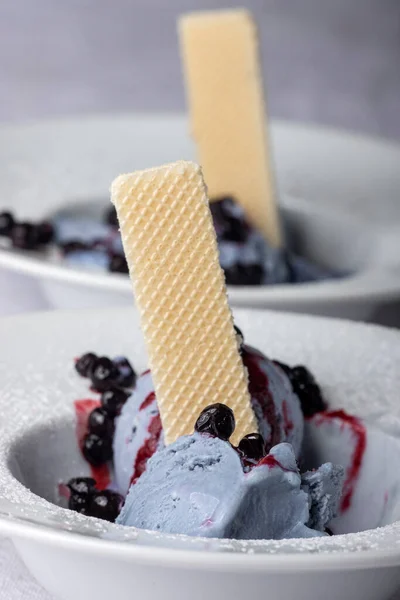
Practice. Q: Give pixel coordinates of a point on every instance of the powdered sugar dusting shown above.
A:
(356, 365)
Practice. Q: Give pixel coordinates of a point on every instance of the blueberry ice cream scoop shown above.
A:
(138, 429)
(245, 256)
(198, 486)
(248, 259)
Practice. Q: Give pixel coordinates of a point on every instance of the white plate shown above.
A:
(340, 191)
(357, 366)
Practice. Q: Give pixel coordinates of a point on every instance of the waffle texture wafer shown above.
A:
(179, 287)
(227, 109)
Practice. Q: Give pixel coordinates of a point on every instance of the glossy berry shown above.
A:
(307, 390)
(217, 420)
(105, 505)
(110, 216)
(81, 490)
(253, 446)
(6, 223)
(118, 264)
(24, 236)
(45, 233)
(229, 220)
(85, 363)
(79, 503)
(127, 375)
(113, 400)
(97, 450)
(241, 274)
(104, 374)
(100, 423)
(81, 485)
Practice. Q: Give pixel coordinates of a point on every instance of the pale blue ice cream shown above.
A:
(242, 251)
(197, 486)
(276, 406)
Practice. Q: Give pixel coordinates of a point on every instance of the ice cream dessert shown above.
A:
(131, 426)
(245, 256)
(248, 259)
(176, 437)
(228, 119)
(138, 428)
(125, 425)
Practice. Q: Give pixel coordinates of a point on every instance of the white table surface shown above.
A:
(335, 63)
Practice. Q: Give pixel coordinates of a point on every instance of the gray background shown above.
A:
(334, 62)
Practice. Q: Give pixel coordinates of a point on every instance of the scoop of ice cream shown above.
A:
(138, 428)
(248, 259)
(245, 256)
(197, 486)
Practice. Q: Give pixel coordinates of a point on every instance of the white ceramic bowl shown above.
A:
(339, 194)
(77, 557)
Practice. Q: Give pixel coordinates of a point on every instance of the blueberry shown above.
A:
(97, 450)
(253, 446)
(45, 232)
(81, 490)
(118, 264)
(81, 485)
(127, 375)
(25, 236)
(100, 423)
(111, 217)
(229, 220)
(105, 505)
(241, 274)
(217, 420)
(6, 223)
(113, 400)
(85, 363)
(306, 389)
(104, 374)
(79, 503)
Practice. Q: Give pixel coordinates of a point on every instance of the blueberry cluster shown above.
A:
(116, 261)
(218, 421)
(306, 389)
(113, 379)
(231, 226)
(25, 235)
(87, 500)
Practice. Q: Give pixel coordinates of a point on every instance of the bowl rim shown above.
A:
(201, 559)
(370, 285)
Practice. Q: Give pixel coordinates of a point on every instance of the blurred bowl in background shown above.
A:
(339, 198)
